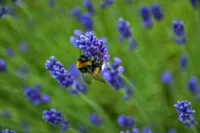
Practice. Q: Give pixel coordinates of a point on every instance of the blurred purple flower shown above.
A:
(76, 12)
(52, 3)
(172, 130)
(185, 113)
(178, 28)
(33, 95)
(88, 4)
(106, 3)
(3, 66)
(25, 126)
(124, 28)
(87, 22)
(83, 129)
(195, 3)
(9, 52)
(146, 130)
(157, 12)
(64, 126)
(166, 77)
(112, 75)
(6, 114)
(126, 121)
(128, 93)
(95, 119)
(23, 47)
(147, 21)
(3, 11)
(45, 99)
(193, 85)
(183, 62)
(8, 131)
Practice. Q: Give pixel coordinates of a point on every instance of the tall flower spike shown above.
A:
(53, 117)
(87, 22)
(193, 85)
(157, 12)
(179, 31)
(92, 46)
(8, 131)
(3, 11)
(58, 72)
(88, 4)
(76, 12)
(183, 62)
(195, 4)
(3, 67)
(106, 3)
(95, 119)
(112, 74)
(124, 28)
(185, 113)
(147, 21)
(126, 121)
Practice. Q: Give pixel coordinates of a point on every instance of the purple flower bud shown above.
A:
(3, 67)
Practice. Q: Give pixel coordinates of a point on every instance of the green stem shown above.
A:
(107, 122)
(194, 129)
(72, 130)
(138, 96)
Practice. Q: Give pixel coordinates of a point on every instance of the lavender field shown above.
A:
(145, 52)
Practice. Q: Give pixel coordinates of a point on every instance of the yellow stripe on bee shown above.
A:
(96, 70)
(81, 65)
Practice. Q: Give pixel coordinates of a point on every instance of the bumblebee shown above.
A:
(90, 67)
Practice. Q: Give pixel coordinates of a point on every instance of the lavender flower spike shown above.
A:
(124, 28)
(8, 131)
(106, 3)
(3, 66)
(112, 75)
(3, 11)
(185, 113)
(126, 121)
(92, 46)
(147, 21)
(58, 72)
(88, 4)
(157, 12)
(95, 119)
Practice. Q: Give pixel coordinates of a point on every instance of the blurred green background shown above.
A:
(47, 30)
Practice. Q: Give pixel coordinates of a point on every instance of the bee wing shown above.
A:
(98, 77)
(87, 78)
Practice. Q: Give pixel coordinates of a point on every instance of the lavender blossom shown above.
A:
(166, 78)
(88, 4)
(33, 95)
(185, 113)
(76, 12)
(3, 11)
(25, 126)
(106, 3)
(92, 46)
(193, 85)
(51, 3)
(3, 66)
(6, 114)
(112, 74)
(178, 28)
(183, 62)
(126, 121)
(23, 47)
(58, 72)
(157, 12)
(95, 119)
(8, 131)
(45, 99)
(124, 28)
(83, 129)
(195, 3)
(172, 130)
(146, 130)
(9, 52)
(87, 22)
(134, 130)
(147, 21)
